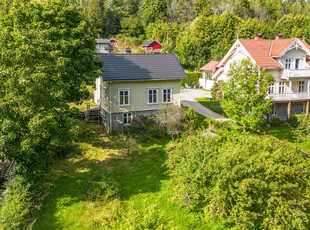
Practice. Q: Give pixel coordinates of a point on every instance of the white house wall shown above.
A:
(239, 55)
(295, 54)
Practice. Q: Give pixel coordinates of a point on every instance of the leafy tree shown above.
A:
(224, 32)
(131, 26)
(245, 93)
(47, 59)
(292, 27)
(202, 7)
(243, 8)
(152, 10)
(252, 26)
(171, 118)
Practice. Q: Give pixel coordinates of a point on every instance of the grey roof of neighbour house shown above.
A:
(135, 67)
(149, 42)
(102, 41)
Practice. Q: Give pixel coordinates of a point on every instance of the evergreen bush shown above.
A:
(275, 121)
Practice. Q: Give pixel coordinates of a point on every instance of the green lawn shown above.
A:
(213, 105)
(141, 178)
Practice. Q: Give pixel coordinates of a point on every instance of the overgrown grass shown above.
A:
(141, 179)
(213, 105)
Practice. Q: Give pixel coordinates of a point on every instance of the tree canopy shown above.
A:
(245, 93)
(47, 58)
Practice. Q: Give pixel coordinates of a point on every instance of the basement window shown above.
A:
(127, 118)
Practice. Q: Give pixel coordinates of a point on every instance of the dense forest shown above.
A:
(195, 30)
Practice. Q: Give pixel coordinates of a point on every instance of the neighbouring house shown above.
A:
(208, 70)
(103, 45)
(135, 85)
(113, 42)
(286, 59)
(152, 46)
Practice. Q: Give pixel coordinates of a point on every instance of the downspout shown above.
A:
(110, 107)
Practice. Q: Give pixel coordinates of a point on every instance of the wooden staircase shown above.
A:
(92, 114)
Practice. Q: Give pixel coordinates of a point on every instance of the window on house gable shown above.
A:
(281, 87)
(167, 95)
(288, 63)
(301, 86)
(127, 118)
(123, 97)
(152, 96)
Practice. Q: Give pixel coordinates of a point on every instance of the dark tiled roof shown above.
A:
(149, 42)
(135, 67)
(102, 41)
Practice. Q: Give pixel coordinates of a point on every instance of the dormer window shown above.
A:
(288, 63)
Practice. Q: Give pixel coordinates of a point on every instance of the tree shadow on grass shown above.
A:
(139, 172)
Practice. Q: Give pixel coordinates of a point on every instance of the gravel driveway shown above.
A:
(188, 99)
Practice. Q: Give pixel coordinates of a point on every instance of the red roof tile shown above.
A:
(278, 46)
(259, 51)
(210, 66)
(306, 44)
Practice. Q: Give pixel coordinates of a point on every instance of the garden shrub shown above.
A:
(252, 181)
(16, 205)
(302, 132)
(275, 121)
(192, 79)
(217, 90)
(293, 120)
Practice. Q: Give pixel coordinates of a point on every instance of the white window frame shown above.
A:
(281, 86)
(126, 116)
(150, 49)
(271, 89)
(288, 63)
(301, 86)
(148, 96)
(171, 95)
(119, 97)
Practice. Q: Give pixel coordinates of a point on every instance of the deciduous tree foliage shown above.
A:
(47, 59)
(245, 93)
(254, 182)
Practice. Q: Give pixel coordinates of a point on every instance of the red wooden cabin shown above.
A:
(152, 46)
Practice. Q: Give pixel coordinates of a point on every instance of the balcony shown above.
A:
(291, 74)
(284, 97)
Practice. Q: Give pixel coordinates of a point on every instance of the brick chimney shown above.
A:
(278, 37)
(258, 37)
(128, 50)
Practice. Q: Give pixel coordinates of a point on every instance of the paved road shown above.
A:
(188, 99)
